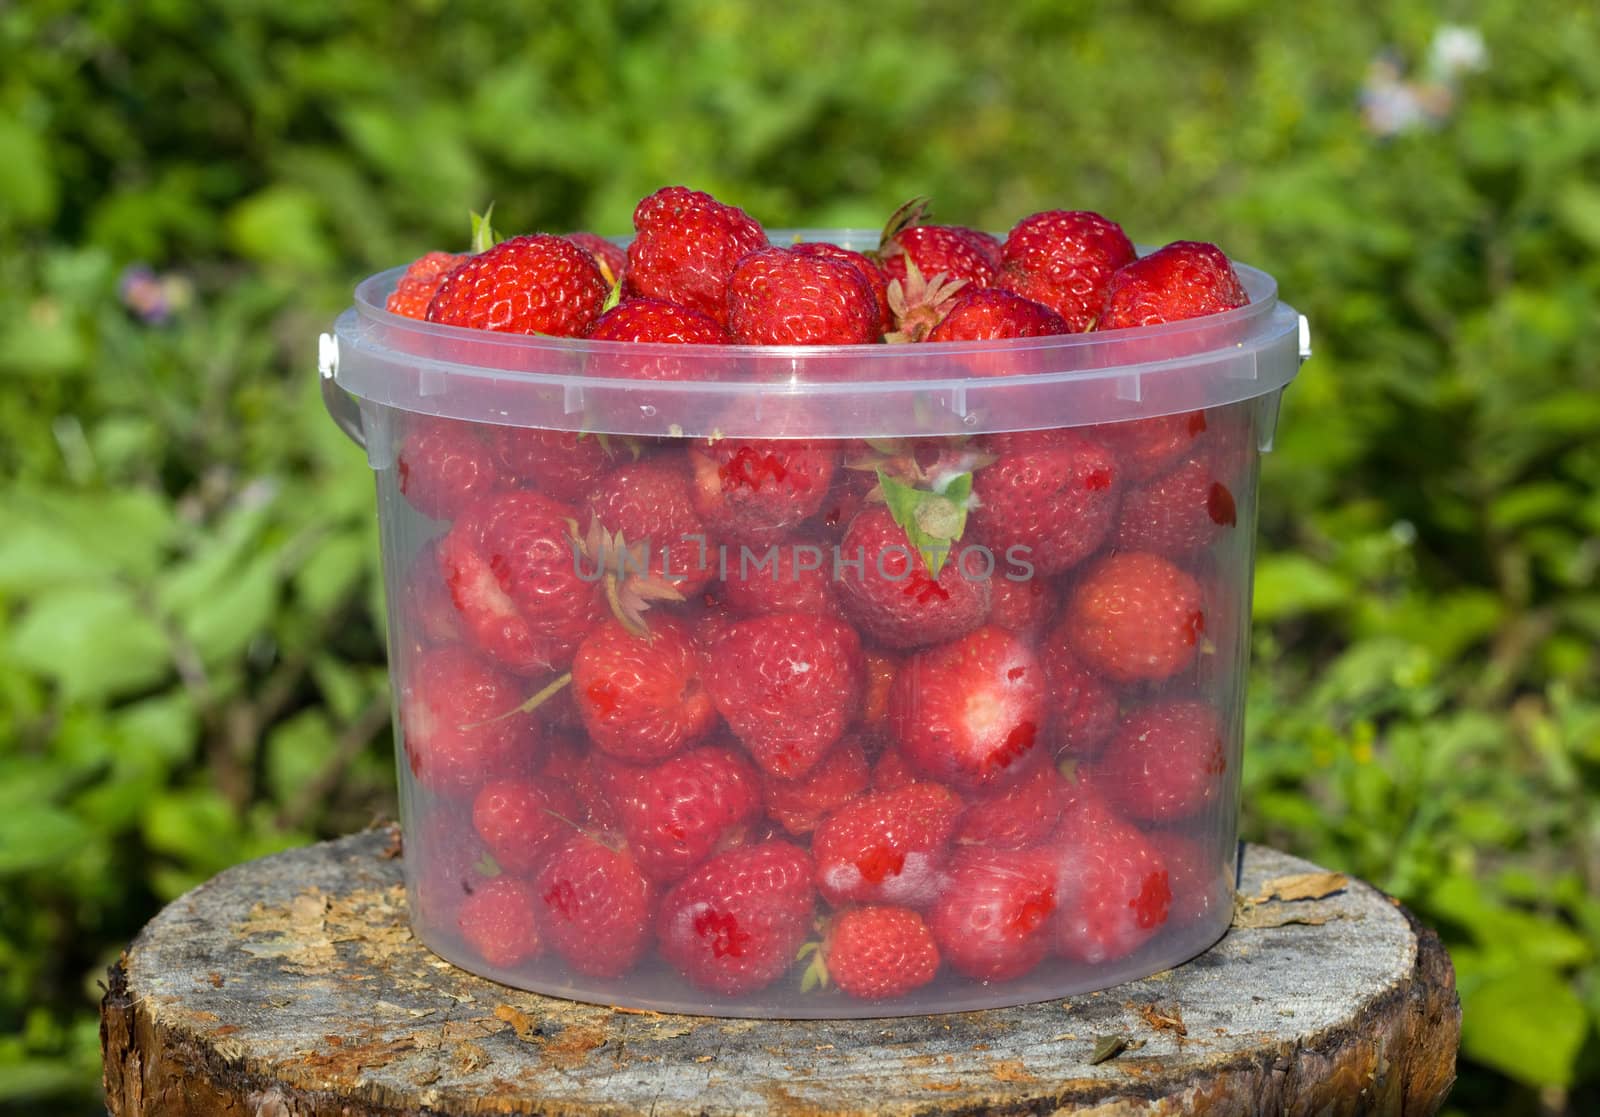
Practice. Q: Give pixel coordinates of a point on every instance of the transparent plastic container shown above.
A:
(678, 698)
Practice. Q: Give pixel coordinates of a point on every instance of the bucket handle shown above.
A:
(341, 407)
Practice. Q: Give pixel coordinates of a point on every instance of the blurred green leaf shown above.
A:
(37, 836)
(1529, 1024)
(1288, 585)
(27, 180)
(93, 641)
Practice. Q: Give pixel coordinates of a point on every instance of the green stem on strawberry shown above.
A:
(483, 235)
(910, 212)
(815, 975)
(532, 704)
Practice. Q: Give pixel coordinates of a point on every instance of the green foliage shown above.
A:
(190, 643)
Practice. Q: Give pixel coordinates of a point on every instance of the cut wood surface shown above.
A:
(292, 987)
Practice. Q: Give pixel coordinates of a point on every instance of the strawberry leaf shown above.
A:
(932, 520)
(912, 212)
(613, 296)
(483, 235)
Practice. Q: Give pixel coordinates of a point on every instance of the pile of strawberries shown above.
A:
(862, 712)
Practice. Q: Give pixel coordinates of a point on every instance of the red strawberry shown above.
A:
(443, 465)
(880, 953)
(851, 491)
(1018, 816)
(459, 717)
(1136, 616)
(675, 813)
(515, 578)
(951, 250)
(788, 684)
(893, 771)
(970, 712)
(1184, 510)
(651, 502)
(417, 286)
(1050, 497)
(686, 248)
(989, 314)
(734, 924)
(612, 259)
(1165, 762)
(993, 920)
(641, 697)
(572, 766)
(869, 270)
(526, 285)
(1112, 886)
(498, 922)
(1200, 879)
(777, 296)
(1065, 260)
(1149, 447)
(1024, 606)
(795, 578)
(756, 491)
(881, 670)
(658, 322)
(596, 907)
(887, 846)
(1186, 279)
(1083, 708)
(521, 821)
(798, 805)
(887, 591)
(563, 464)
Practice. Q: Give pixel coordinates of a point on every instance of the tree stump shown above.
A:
(291, 987)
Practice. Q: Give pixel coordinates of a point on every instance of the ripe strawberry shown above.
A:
(1065, 260)
(417, 286)
(521, 821)
(526, 285)
(1018, 816)
(1111, 884)
(572, 765)
(562, 464)
(1023, 607)
(777, 296)
(990, 314)
(1050, 497)
(970, 712)
(733, 925)
(886, 589)
(887, 846)
(951, 250)
(513, 574)
(1083, 708)
(1186, 279)
(658, 322)
(686, 246)
(651, 502)
(869, 270)
(788, 685)
(798, 805)
(443, 465)
(611, 259)
(641, 697)
(892, 771)
(797, 579)
(596, 907)
(1200, 879)
(851, 492)
(674, 814)
(459, 717)
(1178, 513)
(1147, 448)
(880, 953)
(498, 922)
(1136, 616)
(757, 491)
(1165, 762)
(993, 920)
(881, 670)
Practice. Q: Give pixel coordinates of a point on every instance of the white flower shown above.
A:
(1457, 50)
